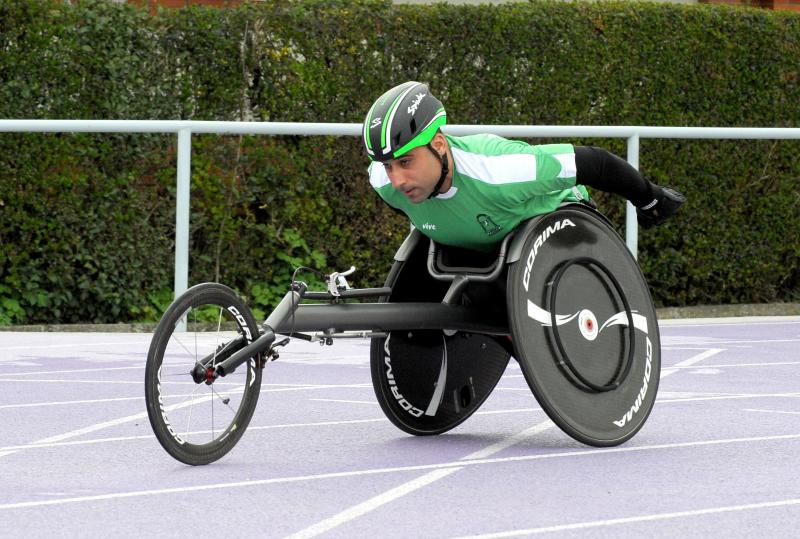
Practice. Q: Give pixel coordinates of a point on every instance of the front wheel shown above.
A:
(196, 418)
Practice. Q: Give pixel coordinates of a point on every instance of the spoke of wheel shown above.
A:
(214, 364)
(221, 398)
(234, 391)
(195, 337)
(189, 402)
(191, 408)
(189, 399)
(180, 343)
(216, 344)
(186, 349)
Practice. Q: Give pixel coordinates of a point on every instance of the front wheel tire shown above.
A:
(198, 420)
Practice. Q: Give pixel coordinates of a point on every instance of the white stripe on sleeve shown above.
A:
(377, 175)
(568, 167)
(496, 169)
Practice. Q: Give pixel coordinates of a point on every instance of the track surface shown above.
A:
(718, 457)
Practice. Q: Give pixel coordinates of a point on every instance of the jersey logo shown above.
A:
(490, 227)
(428, 226)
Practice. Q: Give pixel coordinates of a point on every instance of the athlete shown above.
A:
(471, 191)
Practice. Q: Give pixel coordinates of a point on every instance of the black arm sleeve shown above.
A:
(605, 171)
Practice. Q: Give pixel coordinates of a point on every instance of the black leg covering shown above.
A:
(605, 171)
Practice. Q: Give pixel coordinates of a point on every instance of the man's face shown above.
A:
(415, 173)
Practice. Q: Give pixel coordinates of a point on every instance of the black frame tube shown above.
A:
(335, 318)
(256, 347)
(388, 317)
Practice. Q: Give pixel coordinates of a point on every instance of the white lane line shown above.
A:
(65, 403)
(383, 420)
(375, 502)
(700, 346)
(666, 371)
(70, 371)
(731, 321)
(115, 399)
(509, 411)
(732, 397)
(80, 432)
(36, 445)
(114, 423)
(98, 401)
(360, 359)
(40, 445)
(250, 428)
(771, 411)
(319, 385)
(293, 387)
(76, 381)
(344, 401)
(372, 504)
(283, 387)
(15, 448)
(32, 346)
(406, 488)
(510, 441)
(732, 365)
(703, 347)
(319, 424)
(300, 387)
(636, 519)
(401, 469)
(93, 428)
(754, 341)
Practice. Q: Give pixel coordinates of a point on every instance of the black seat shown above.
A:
(451, 259)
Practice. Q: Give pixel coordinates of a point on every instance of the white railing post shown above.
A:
(182, 211)
(631, 226)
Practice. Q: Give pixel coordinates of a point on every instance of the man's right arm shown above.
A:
(605, 171)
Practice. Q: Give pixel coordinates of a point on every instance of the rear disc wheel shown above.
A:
(584, 327)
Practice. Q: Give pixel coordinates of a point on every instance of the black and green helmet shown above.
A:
(405, 117)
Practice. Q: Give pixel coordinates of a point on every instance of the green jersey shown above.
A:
(497, 183)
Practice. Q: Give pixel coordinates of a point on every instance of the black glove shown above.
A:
(665, 205)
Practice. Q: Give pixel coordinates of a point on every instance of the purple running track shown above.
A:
(718, 456)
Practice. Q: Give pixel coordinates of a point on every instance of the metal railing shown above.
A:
(185, 129)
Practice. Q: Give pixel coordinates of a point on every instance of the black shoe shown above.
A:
(665, 206)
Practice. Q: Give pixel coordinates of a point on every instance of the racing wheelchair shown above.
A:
(562, 295)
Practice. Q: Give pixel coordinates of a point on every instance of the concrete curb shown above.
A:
(84, 328)
(726, 311)
(667, 313)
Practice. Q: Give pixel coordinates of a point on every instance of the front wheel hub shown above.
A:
(201, 374)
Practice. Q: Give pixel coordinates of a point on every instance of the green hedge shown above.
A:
(87, 221)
